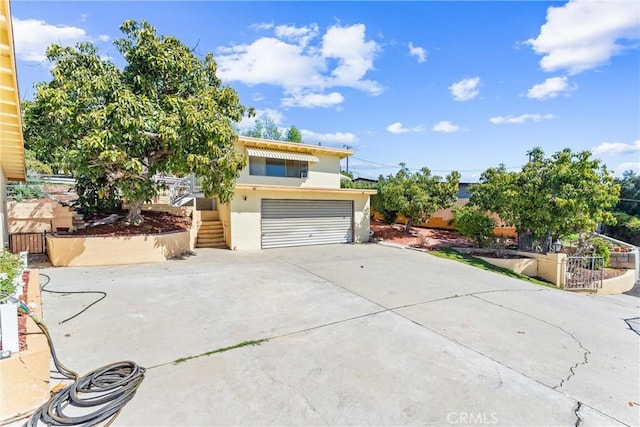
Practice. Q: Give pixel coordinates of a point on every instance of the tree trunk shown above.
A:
(134, 217)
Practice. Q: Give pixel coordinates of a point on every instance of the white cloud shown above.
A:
(261, 26)
(304, 64)
(104, 38)
(465, 89)
(398, 128)
(337, 138)
(298, 35)
(583, 34)
(550, 88)
(33, 36)
(615, 148)
(270, 61)
(446, 127)
(419, 52)
(622, 167)
(312, 100)
(355, 57)
(520, 119)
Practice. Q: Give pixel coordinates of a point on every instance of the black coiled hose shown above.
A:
(91, 399)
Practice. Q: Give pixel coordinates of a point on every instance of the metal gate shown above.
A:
(34, 243)
(583, 273)
(306, 222)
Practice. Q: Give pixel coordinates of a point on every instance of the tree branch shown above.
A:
(151, 135)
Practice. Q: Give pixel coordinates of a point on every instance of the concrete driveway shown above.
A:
(356, 335)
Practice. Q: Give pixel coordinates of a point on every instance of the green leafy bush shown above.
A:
(21, 192)
(472, 222)
(388, 216)
(10, 266)
(626, 229)
(601, 248)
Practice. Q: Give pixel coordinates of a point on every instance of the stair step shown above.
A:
(206, 233)
(210, 240)
(212, 245)
(210, 227)
(211, 231)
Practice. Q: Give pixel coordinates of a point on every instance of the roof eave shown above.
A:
(12, 156)
(293, 146)
(283, 188)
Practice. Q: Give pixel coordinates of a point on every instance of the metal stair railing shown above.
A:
(181, 190)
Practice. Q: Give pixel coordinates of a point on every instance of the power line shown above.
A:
(432, 170)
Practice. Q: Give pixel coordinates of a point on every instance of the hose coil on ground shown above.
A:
(92, 398)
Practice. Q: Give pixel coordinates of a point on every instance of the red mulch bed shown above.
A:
(154, 223)
(427, 238)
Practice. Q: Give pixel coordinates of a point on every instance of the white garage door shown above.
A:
(306, 222)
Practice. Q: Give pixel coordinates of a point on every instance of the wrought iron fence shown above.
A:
(583, 272)
(527, 242)
(34, 243)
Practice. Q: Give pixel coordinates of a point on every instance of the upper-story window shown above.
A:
(265, 166)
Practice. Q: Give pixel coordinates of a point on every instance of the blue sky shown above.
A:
(447, 85)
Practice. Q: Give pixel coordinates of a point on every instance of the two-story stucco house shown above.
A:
(288, 195)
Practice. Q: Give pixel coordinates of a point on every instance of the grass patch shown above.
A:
(448, 253)
(220, 350)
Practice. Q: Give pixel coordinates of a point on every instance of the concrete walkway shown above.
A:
(356, 335)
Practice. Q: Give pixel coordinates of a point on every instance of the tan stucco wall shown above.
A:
(38, 216)
(546, 266)
(224, 216)
(196, 220)
(244, 216)
(323, 174)
(24, 377)
(526, 266)
(550, 267)
(618, 285)
(88, 251)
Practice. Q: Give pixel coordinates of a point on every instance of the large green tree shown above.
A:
(293, 135)
(267, 129)
(417, 195)
(629, 193)
(557, 196)
(166, 111)
(264, 128)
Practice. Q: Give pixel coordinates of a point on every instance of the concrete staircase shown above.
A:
(210, 235)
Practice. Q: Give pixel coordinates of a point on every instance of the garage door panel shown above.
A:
(306, 222)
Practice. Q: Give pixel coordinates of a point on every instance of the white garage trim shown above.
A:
(288, 222)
